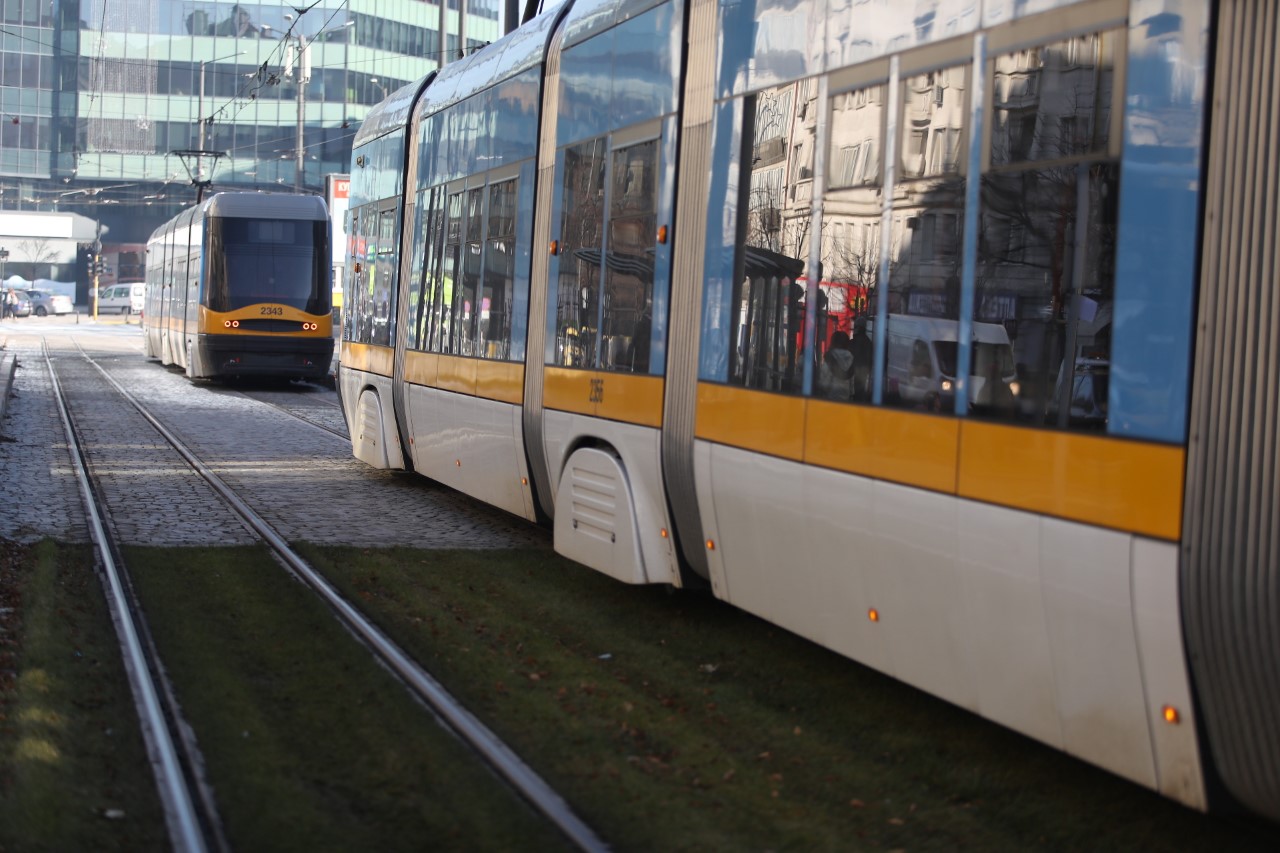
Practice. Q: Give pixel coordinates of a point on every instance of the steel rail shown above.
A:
(316, 424)
(180, 812)
(478, 736)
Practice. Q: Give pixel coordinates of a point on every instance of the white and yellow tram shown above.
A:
(239, 285)
(598, 274)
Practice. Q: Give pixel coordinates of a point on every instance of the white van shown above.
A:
(125, 297)
(920, 361)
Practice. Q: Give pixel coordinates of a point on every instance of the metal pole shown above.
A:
(302, 85)
(200, 120)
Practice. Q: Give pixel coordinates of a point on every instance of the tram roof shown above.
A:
(517, 51)
(261, 205)
(514, 53)
(392, 113)
(591, 17)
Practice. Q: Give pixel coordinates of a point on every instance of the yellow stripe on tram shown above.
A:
(367, 358)
(1109, 482)
(621, 397)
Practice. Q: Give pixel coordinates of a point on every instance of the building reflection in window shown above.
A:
(1046, 248)
(769, 342)
(926, 235)
(851, 241)
(578, 288)
(628, 308)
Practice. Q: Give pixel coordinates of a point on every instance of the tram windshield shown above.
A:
(283, 261)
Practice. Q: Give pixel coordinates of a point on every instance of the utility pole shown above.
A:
(298, 62)
(200, 110)
(300, 69)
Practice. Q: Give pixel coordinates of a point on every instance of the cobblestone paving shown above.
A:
(152, 495)
(302, 480)
(38, 493)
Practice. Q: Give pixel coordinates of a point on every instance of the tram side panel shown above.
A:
(1024, 571)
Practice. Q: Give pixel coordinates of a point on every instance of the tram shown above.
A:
(584, 285)
(239, 286)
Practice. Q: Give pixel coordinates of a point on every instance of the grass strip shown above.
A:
(74, 773)
(309, 745)
(674, 722)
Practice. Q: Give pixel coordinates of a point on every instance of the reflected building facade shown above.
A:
(888, 240)
(97, 95)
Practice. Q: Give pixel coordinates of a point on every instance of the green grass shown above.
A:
(309, 745)
(73, 770)
(668, 720)
(674, 722)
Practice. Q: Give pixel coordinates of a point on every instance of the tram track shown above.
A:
(261, 397)
(490, 749)
(188, 803)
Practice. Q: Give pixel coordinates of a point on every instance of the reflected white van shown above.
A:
(920, 363)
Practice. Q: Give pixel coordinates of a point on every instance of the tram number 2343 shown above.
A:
(271, 309)
(597, 391)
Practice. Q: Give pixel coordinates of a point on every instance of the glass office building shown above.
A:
(98, 95)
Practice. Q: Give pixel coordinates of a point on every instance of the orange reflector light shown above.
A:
(873, 615)
(1170, 715)
(555, 247)
(458, 462)
(711, 545)
(524, 481)
(663, 533)
(662, 234)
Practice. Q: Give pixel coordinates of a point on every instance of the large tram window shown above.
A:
(267, 260)
(851, 242)
(578, 288)
(769, 342)
(628, 293)
(925, 241)
(499, 272)
(1046, 249)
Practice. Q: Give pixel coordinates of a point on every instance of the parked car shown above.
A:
(125, 297)
(44, 303)
(23, 308)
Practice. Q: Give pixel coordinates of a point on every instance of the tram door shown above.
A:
(605, 355)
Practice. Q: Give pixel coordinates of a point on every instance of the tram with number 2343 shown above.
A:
(240, 286)
(592, 276)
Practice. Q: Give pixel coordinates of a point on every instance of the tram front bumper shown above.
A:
(263, 355)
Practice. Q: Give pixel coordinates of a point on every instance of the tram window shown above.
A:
(1053, 101)
(1046, 248)
(418, 273)
(925, 239)
(632, 233)
(851, 241)
(448, 318)
(466, 307)
(432, 211)
(578, 288)
(382, 289)
(499, 272)
(769, 342)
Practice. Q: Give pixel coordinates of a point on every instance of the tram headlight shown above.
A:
(226, 323)
(235, 324)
